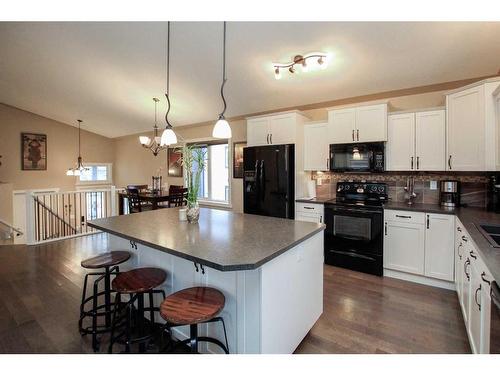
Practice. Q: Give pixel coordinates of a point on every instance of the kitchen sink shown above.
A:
(491, 232)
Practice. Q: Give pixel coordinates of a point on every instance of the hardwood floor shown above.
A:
(40, 289)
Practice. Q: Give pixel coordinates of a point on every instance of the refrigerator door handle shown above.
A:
(262, 180)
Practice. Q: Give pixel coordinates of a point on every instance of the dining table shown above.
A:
(153, 197)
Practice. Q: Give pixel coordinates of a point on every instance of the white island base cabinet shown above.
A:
(268, 310)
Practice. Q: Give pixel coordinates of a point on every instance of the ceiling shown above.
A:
(107, 73)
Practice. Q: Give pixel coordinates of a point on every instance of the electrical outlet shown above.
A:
(433, 185)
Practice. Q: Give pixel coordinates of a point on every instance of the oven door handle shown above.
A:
(354, 210)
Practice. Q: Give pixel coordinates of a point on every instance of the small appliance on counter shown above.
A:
(449, 193)
(493, 196)
(354, 227)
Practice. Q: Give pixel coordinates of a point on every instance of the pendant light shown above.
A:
(76, 171)
(168, 137)
(222, 128)
(153, 144)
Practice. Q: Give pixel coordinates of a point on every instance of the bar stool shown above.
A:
(109, 261)
(136, 283)
(193, 306)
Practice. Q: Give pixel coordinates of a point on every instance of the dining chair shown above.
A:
(135, 204)
(178, 198)
(140, 188)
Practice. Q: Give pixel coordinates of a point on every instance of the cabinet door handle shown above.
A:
(458, 250)
(386, 228)
(271, 138)
(449, 161)
(475, 297)
(268, 139)
(353, 135)
(464, 238)
(327, 164)
(459, 229)
(196, 267)
(411, 162)
(467, 262)
(428, 221)
(309, 208)
(321, 219)
(485, 279)
(403, 216)
(472, 255)
(418, 162)
(357, 133)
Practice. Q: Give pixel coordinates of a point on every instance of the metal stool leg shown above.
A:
(193, 336)
(107, 297)
(113, 323)
(82, 305)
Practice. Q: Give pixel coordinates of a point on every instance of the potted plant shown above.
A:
(193, 160)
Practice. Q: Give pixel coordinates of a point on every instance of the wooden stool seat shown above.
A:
(192, 305)
(139, 280)
(109, 259)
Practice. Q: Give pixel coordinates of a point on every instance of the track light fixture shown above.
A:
(304, 62)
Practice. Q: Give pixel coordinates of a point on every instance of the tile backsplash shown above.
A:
(473, 185)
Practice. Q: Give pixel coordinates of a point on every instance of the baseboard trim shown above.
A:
(419, 279)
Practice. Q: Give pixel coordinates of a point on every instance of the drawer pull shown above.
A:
(458, 250)
(467, 262)
(309, 208)
(459, 229)
(472, 254)
(464, 238)
(485, 279)
(475, 297)
(403, 216)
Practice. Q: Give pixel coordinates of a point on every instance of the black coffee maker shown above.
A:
(493, 196)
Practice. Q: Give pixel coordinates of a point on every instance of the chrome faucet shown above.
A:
(410, 190)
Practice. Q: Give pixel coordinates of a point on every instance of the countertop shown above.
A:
(319, 200)
(468, 216)
(222, 240)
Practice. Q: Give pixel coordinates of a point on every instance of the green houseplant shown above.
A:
(193, 160)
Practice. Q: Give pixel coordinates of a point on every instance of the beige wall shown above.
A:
(137, 165)
(62, 150)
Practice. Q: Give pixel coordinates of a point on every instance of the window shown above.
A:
(214, 184)
(96, 173)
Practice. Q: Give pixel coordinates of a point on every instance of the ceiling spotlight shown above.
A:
(317, 57)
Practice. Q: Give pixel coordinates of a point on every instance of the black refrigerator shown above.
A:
(268, 180)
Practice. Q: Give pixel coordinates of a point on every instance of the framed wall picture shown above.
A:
(174, 156)
(238, 159)
(33, 152)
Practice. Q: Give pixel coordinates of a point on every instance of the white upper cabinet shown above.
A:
(416, 141)
(342, 125)
(371, 123)
(465, 134)
(430, 140)
(258, 132)
(440, 246)
(358, 124)
(472, 128)
(400, 147)
(316, 147)
(280, 128)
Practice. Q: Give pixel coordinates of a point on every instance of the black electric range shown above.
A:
(354, 227)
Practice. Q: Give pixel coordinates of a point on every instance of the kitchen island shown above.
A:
(269, 269)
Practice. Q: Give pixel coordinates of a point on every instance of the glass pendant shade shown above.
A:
(76, 172)
(168, 137)
(222, 129)
(144, 140)
(69, 172)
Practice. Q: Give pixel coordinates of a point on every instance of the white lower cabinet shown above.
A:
(420, 243)
(404, 247)
(311, 212)
(439, 246)
(472, 281)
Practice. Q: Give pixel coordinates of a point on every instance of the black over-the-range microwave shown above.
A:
(357, 157)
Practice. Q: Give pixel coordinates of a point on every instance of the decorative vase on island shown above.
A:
(193, 212)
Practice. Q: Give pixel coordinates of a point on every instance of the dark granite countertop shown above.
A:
(468, 216)
(319, 200)
(420, 207)
(223, 240)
